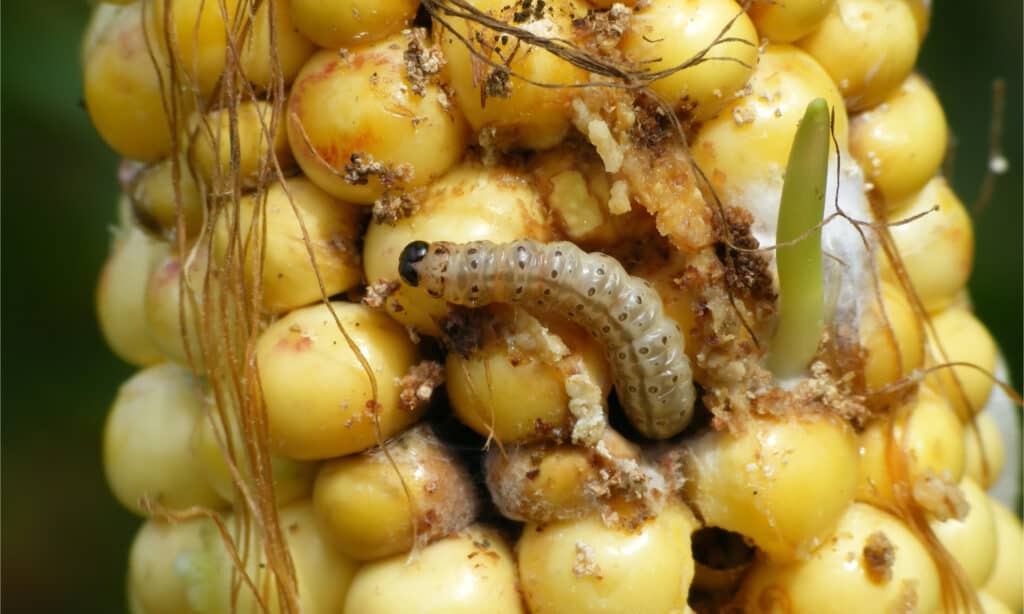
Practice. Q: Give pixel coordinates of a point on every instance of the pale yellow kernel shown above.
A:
(306, 362)
(838, 574)
(868, 46)
(585, 566)
(756, 482)
(666, 34)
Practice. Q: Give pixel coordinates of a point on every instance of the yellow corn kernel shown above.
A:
(922, 10)
(929, 434)
(1004, 582)
(293, 480)
(971, 541)
(789, 21)
(390, 137)
(319, 399)
(120, 295)
(174, 328)
(986, 472)
(545, 483)
(156, 202)
(471, 203)
(849, 570)
(154, 586)
(991, 605)
(868, 46)
(937, 249)
(745, 148)
(210, 148)
(147, 450)
(901, 143)
(756, 483)
(468, 573)
(891, 335)
(522, 114)
(965, 340)
(665, 34)
(322, 575)
(291, 47)
(368, 512)
(344, 23)
(292, 212)
(122, 86)
(486, 389)
(585, 566)
(195, 34)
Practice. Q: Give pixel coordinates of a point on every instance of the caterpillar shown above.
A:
(644, 346)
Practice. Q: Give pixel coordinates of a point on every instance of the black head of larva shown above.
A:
(413, 253)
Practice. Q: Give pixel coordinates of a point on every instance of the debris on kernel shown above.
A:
(879, 556)
(362, 166)
(418, 385)
(940, 496)
(422, 61)
(392, 207)
(378, 292)
(585, 565)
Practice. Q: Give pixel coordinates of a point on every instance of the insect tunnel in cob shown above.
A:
(544, 306)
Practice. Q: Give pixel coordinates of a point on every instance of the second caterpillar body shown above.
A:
(644, 346)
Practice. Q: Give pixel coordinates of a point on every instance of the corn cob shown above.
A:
(281, 155)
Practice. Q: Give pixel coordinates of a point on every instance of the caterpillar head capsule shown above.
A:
(413, 253)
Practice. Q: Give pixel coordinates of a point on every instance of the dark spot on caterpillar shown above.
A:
(638, 299)
(644, 350)
(591, 291)
(558, 253)
(554, 274)
(664, 340)
(632, 388)
(473, 264)
(652, 389)
(475, 288)
(547, 291)
(623, 316)
(434, 293)
(519, 289)
(622, 355)
(599, 271)
(606, 329)
(579, 306)
(472, 251)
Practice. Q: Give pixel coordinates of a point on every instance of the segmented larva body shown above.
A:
(644, 346)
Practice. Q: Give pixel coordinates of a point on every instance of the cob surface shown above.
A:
(272, 186)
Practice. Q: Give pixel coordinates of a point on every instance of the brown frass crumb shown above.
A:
(879, 555)
(422, 61)
(419, 383)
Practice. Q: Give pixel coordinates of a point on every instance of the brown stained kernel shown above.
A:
(879, 555)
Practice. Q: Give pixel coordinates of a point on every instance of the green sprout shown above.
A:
(801, 295)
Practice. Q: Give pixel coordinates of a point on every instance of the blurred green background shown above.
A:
(64, 538)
